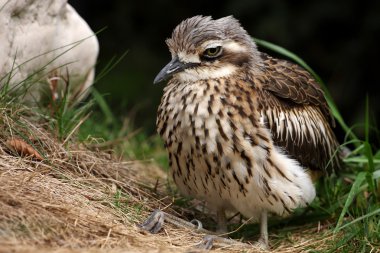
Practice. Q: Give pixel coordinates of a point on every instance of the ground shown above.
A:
(77, 198)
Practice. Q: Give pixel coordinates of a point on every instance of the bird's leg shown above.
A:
(263, 240)
(209, 240)
(221, 228)
(262, 243)
(156, 220)
(221, 221)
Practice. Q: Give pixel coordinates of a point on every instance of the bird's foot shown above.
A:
(262, 244)
(154, 222)
(208, 242)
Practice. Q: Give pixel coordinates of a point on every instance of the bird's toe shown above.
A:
(262, 244)
(207, 242)
(154, 222)
(197, 223)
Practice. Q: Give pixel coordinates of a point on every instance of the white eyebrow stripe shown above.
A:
(230, 45)
(234, 46)
(212, 43)
(184, 57)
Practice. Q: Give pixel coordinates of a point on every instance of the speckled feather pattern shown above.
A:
(219, 152)
(245, 138)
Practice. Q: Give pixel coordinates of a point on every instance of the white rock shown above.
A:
(46, 41)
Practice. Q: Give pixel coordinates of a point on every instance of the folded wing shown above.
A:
(293, 107)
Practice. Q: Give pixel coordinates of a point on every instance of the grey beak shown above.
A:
(174, 66)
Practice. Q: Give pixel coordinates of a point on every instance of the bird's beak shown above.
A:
(174, 66)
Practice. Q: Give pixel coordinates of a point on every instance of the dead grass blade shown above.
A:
(22, 148)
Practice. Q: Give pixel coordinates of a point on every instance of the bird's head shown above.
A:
(203, 48)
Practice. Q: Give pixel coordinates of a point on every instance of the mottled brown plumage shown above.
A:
(287, 88)
(241, 128)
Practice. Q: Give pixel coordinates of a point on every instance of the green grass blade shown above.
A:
(39, 71)
(367, 147)
(366, 120)
(110, 117)
(298, 60)
(109, 66)
(354, 190)
(368, 150)
(361, 159)
(359, 219)
(342, 242)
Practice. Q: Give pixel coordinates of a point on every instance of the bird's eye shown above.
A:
(212, 52)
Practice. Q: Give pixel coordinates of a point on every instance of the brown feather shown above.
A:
(294, 108)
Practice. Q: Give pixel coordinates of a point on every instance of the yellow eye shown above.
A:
(212, 52)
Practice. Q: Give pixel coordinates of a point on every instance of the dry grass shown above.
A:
(81, 200)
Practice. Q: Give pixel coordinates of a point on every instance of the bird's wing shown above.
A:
(293, 107)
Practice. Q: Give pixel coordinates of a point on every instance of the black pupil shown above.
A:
(213, 50)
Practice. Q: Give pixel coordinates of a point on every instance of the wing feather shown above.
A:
(294, 108)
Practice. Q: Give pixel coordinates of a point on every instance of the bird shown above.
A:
(243, 130)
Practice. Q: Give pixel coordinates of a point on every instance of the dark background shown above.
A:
(338, 39)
